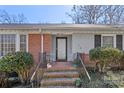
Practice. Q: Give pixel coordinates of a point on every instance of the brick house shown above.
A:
(60, 41)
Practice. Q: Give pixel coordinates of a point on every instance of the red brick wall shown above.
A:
(85, 58)
(87, 61)
(47, 42)
(34, 45)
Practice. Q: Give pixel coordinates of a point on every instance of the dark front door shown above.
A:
(61, 48)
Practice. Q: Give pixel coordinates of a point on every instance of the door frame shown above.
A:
(57, 48)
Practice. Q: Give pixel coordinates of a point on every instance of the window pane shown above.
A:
(22, 42)
(107, 41)
(6, 42)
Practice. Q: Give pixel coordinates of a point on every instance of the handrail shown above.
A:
(37, 67)
(84, 67)
(34, 73)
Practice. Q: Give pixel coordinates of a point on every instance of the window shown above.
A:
(7, 43)
(108, 41)
(22, 42)
(119, 42)
(97, 41)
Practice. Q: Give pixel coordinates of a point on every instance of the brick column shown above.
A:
(47, 43)
(34, 45)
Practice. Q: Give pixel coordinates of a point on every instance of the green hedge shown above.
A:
(105, 55)
(19, 62)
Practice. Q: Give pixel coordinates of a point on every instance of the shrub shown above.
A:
(6, 65)
(94, 54)
(19, 62)
(105, 56)
(122, 61)
(23, 63)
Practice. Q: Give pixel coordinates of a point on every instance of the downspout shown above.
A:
(41, 41)
(42, 46)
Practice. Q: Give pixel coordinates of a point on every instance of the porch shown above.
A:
(60, 47)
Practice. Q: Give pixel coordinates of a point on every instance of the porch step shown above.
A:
(59, 86)
(61, 74)
(61, 69)
(59, 82)
(60, 78)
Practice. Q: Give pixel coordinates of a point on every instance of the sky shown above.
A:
(42, 13)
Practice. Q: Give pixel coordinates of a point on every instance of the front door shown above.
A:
(61, 48)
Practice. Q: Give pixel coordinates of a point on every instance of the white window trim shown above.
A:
(123, 41)
(42, 37)
(27, 42)
(17, 42)
(114, 37)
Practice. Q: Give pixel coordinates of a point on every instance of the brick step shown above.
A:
(60, 77)
(61, 69)
(59, 87)
(67, 74)
(58, 82)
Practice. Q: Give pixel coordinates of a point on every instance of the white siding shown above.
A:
(69, 48)
(82, 42)
(53, 48)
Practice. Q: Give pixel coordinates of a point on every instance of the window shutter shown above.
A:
(97, 41)
(119, 42)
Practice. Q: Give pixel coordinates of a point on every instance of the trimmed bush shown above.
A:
(23, 63)
(122, 61)
(94, 54)
(19, 62)
(105, 56)
(6, 66)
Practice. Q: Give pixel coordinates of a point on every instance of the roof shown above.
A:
(61, 26)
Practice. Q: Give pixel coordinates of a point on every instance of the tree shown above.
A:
(113, 14)
(87, 14)
(97, 14)
(11, 18)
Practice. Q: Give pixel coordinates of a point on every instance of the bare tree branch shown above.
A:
(11, 18)
(97, 14)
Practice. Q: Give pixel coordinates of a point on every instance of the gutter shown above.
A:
(41, 40)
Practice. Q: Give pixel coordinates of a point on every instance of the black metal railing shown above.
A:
(37, 75)
(83, 66)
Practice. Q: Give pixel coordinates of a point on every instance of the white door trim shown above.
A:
(57, 58)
